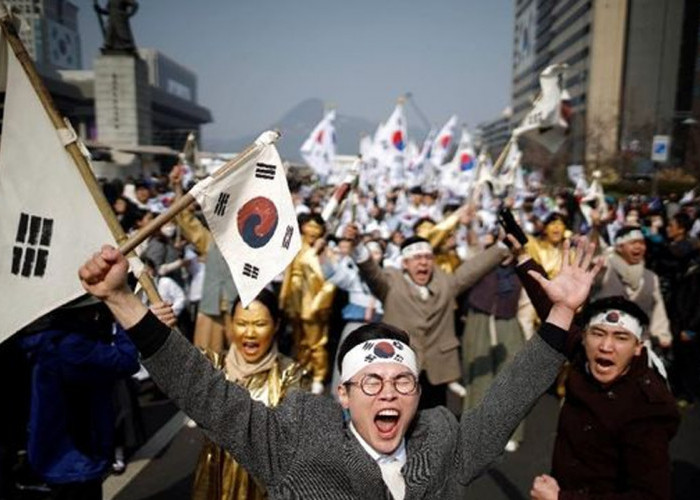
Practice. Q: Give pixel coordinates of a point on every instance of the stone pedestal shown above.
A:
(122, 101)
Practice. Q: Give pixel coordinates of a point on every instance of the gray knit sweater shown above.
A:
(303, 449)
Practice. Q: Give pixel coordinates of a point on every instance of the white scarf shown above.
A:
(630, 274)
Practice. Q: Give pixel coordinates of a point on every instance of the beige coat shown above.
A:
(430, 323)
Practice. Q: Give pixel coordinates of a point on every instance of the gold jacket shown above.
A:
(218, 476)
(305, 293)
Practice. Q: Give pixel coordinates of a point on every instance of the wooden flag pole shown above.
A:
(10, 33)
(187, 199)
(502, 157)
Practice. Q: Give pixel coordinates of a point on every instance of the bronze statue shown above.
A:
(117, 35)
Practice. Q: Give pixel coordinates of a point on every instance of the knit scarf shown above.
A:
(630, 274)
(237, 368)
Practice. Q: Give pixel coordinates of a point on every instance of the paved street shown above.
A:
(168, 475)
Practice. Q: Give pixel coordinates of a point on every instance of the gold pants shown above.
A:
(310, 339)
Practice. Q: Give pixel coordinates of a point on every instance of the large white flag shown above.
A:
(49, 222)
(252, 218)
(548, 120)
(318, 150)
(443, 142)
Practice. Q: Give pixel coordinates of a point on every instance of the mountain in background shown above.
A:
(297, 124)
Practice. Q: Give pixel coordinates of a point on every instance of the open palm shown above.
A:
(572, 285)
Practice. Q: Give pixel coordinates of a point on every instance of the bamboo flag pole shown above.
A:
(187, 199)
(10, 33)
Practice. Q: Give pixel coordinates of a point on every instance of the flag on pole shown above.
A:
(49, 222)
(318, 150)
(459, 173)
(252, 219)
(190, 155)
(548, 120)
(365, 147)
(419, 170)
(443, 142)
(508, 173)
(392, 143)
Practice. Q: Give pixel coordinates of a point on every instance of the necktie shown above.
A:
(391, 473)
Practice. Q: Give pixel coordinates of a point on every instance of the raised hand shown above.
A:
(570, 288)
(105, 273)
(104, 276)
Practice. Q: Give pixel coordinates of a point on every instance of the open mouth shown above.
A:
(603, 363)
(251, 347)
(387, 421)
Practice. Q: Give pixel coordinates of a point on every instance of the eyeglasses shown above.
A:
(405, 384)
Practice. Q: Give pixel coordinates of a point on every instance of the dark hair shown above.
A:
(615, 302)
(420, 221)
(370, 331)
(307, 217)
(92, 320)
(148, 262)
(554, 216)
(412, 240)
(683, 220)
(266, 298)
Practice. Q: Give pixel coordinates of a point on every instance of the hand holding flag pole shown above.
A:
(265, 139)
(250, 214)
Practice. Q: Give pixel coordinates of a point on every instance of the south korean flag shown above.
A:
(252, 218)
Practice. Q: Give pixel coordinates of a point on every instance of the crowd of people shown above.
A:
(400, 301)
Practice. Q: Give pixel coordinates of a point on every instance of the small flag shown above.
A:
(443, 142)
(392, 143)
(252, 218)
(318, 150)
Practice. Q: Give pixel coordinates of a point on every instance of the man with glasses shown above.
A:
(375, 444)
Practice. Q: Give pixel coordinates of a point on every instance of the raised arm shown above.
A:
(370, 272)
(486, 429)
(261, 439)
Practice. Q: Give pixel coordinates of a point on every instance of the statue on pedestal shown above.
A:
(117, 35)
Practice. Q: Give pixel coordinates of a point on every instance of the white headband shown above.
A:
(377, 351)
(617, 318)
(635, 234)
(417, 248)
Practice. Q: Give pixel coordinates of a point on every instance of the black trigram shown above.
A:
(221, 204)
(369, 358)
(287, 237)
(265, 171)
(367, 346)
(31, 251)
(251, 271)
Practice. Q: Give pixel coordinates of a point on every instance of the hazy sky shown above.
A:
(256, 59)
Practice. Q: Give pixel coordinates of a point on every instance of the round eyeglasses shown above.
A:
(405, 384)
